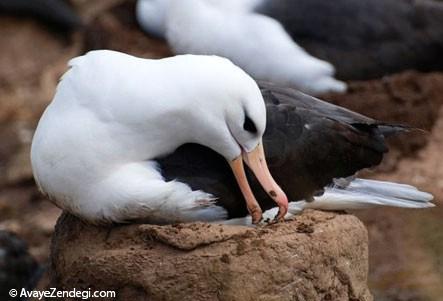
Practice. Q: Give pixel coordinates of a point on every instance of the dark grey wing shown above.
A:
(307, 146)
(280, 95)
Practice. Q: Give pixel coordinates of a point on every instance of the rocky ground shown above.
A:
(406, 247)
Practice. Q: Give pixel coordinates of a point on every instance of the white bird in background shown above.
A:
(151, 14)
(256, 43)
(94, 148)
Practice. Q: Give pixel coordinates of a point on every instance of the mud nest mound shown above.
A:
(316, 256)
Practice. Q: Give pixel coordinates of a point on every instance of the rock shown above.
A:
(316, 256)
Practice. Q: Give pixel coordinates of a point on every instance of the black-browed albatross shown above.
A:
(101, 146)
(94, 147)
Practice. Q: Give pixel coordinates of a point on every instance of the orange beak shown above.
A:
(257, 163)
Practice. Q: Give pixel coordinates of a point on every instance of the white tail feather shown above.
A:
(359, 194)
(382, 188)
(362, 194)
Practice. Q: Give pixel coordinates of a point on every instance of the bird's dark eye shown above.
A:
(249, 125)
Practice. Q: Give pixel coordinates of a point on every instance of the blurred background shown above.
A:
(406, 246)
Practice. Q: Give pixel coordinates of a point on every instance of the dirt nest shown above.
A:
(317, 256)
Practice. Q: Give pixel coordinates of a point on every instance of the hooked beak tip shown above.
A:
(256, 161)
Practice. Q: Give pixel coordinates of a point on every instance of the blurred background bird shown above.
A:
(361, 39)
(18, 269)
(269, 53)
(367, 38)
(57, 14)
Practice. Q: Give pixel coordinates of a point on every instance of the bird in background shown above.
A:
(55, 13)
(113, 145)
(18, 269)
(256, 43)
(364, 39)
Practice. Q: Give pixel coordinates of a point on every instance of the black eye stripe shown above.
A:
(249, 125)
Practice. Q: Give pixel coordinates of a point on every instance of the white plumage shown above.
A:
(256, 43)
(94, 146)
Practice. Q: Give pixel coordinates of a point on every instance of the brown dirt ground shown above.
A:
(406, 249)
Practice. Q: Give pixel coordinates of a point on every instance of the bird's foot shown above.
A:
(276, 220)
(282, 211)
(280, 217)
(256, 214)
